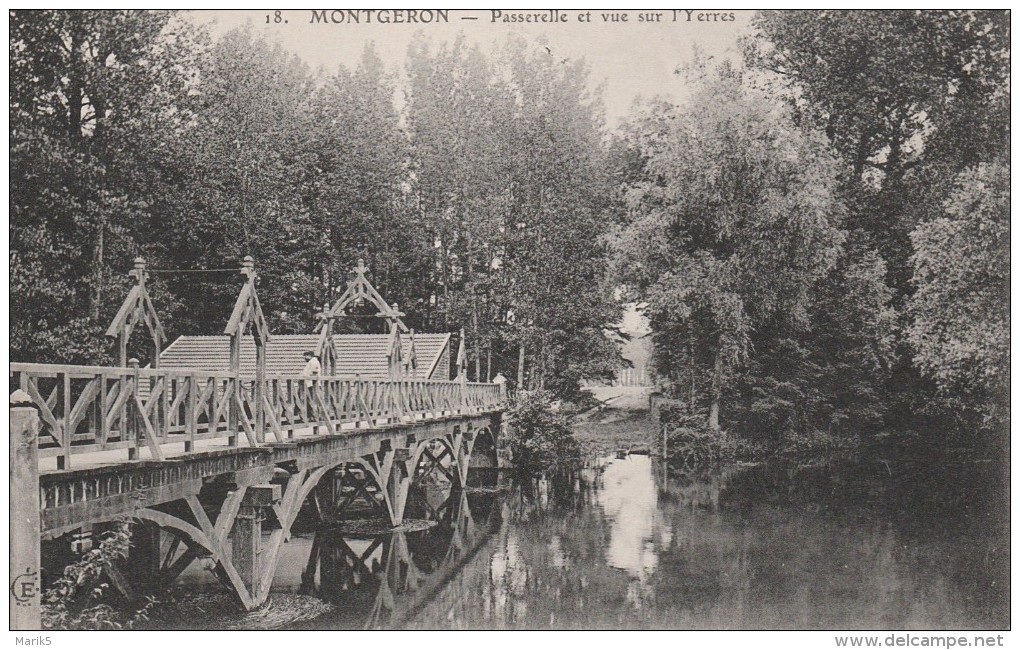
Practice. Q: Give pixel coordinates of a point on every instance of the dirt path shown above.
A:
(622, 398)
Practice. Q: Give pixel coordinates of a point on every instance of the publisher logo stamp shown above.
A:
(24, 587)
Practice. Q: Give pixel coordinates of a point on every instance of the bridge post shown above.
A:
(144, 555)
(246, 545)
(465, 442)
(25, 524)
(130, 421)
(398, 484)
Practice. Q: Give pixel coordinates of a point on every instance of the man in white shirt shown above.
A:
(313, 369)
(312, 366)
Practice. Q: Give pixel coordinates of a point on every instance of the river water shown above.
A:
(770, 546)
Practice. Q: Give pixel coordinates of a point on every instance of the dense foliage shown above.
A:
(80, 599)
(480, 202)
(540, 437)
(960, 319)
(820, 234)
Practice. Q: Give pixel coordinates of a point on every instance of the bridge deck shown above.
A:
(176, 450)
(101, 491)
(115, 439)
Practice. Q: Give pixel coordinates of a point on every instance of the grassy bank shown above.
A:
(623, 422)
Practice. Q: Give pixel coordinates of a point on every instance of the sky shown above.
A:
(631, 59)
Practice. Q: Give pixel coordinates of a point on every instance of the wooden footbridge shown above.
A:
(217, 463)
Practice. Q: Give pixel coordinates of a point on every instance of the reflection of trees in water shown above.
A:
(822, 546)
(747, 547)
(377, 578)
(547, 568)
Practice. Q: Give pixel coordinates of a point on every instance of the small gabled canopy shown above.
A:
(137, 307)
(248, 309)
(361, 289)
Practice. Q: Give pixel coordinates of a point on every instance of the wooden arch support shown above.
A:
(248, 312)
(361, 289)
(137, 307)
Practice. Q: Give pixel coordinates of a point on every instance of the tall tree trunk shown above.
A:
(74, 91)
(538, 370)
(97, 269)
(520, 366)
(690, 361)
(713, 413)
(444, 271)
(474, 309)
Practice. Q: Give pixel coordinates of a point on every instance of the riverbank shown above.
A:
(182, 609)
(623, 422)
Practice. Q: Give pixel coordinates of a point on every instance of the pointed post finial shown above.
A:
(323, 314)
(21, 399)
(361, 269)
(248, 266)
(138, 273)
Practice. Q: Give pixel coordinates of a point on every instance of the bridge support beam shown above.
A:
(25, 552)
(144, 558)
(463, 441)
(399, 483)
(246, 543)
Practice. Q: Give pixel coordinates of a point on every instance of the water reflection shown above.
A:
(626, 546)
(752, 547)
(378, 578)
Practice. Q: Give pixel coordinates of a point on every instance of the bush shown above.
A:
(814, 443)
(692, 443)
(541, 440)
(78, 600)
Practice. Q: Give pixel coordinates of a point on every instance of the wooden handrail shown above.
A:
(101, 408)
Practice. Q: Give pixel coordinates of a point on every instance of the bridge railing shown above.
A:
(86, 409)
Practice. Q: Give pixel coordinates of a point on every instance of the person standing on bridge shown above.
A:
(312, 366)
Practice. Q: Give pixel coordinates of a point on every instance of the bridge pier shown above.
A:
(463, 442)
(144, 558)
(399, 484)
(246, 539)
(25, 554)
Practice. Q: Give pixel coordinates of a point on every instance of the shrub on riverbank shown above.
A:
(691, 442)
(541, 439)
(80, 600)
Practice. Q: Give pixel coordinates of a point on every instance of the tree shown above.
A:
(828, 376)
(960, 327)
(511, 177)
(235, 189)
(907, 98)
(94, 94)
(734, 223)
(354, 185)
